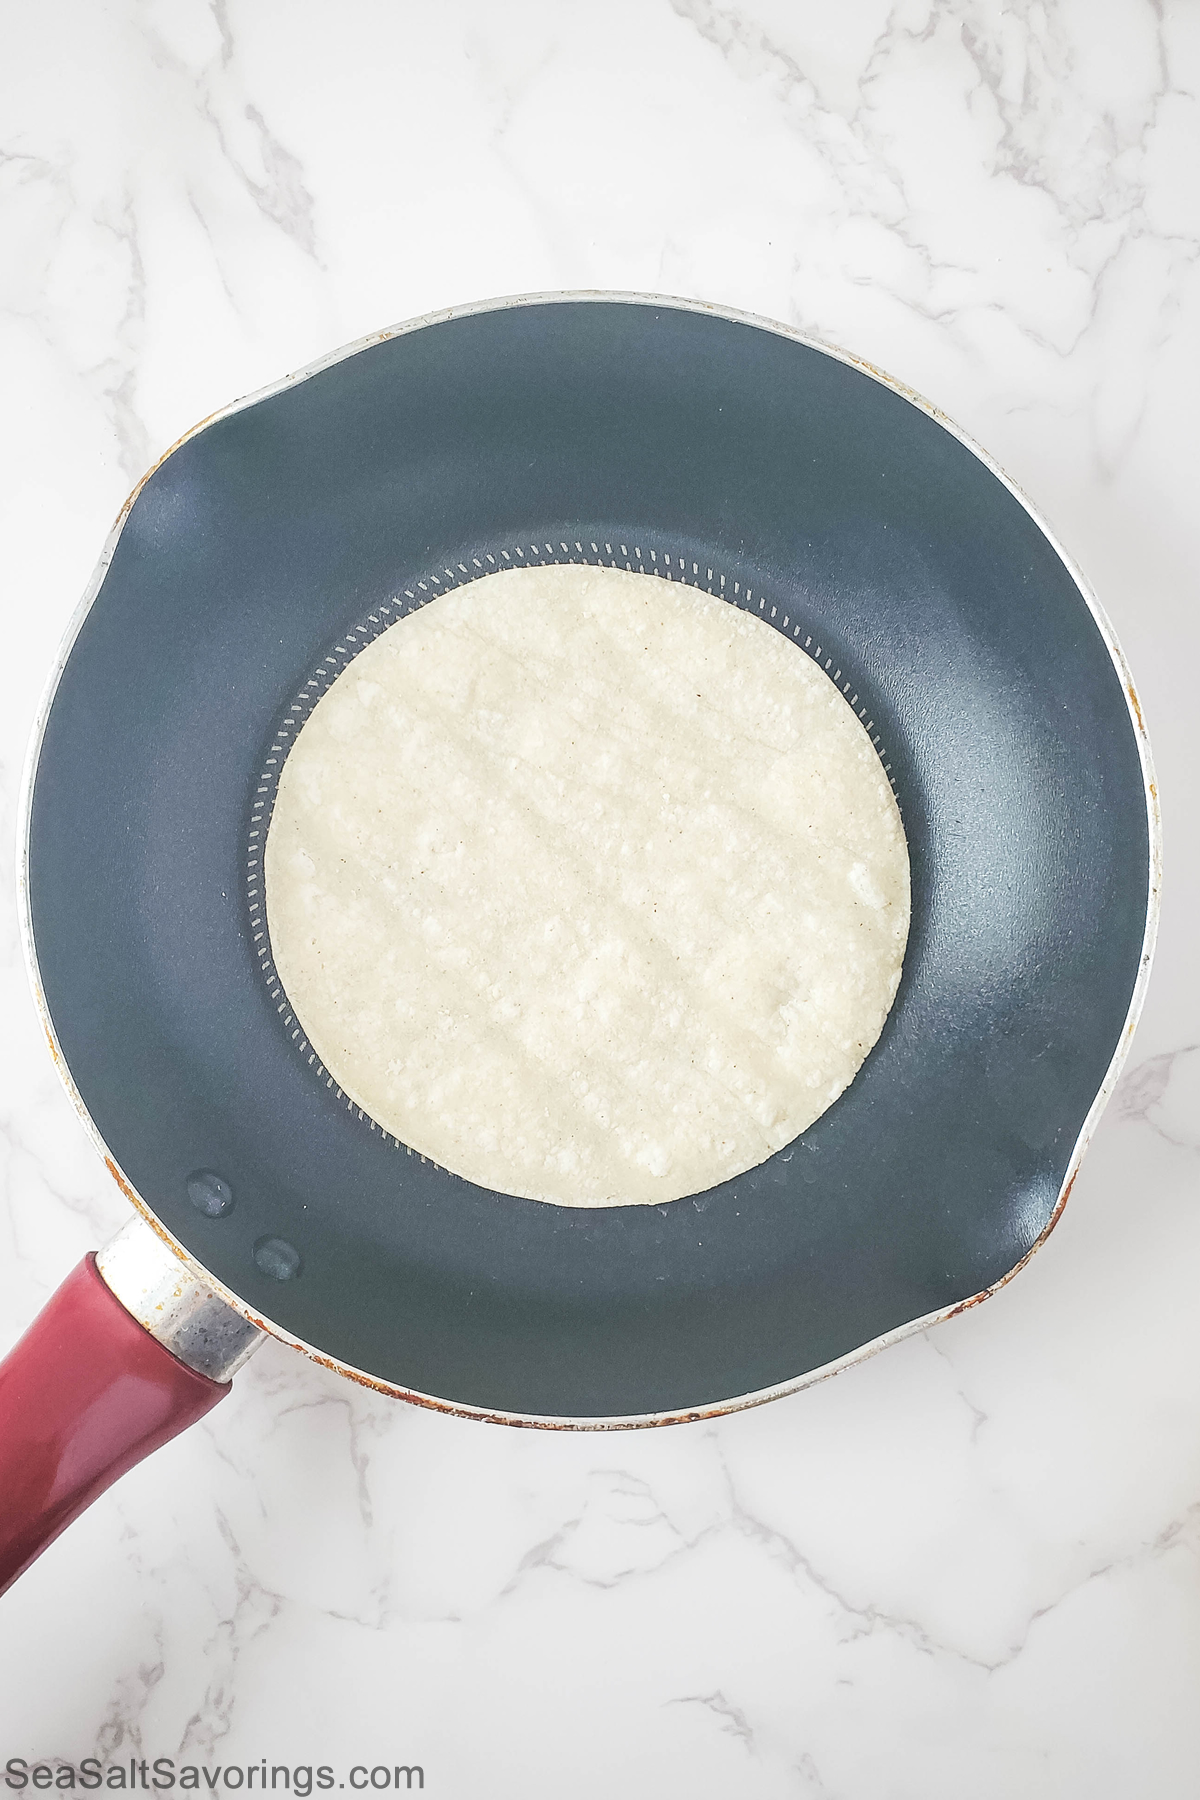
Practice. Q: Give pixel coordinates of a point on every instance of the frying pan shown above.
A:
(250, 566)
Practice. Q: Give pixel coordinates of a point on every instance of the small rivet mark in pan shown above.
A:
(210, 1194)
(275, 1257)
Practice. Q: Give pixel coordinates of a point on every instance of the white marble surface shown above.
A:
(972, 1563)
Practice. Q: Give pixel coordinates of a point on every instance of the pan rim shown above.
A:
(735, 1403)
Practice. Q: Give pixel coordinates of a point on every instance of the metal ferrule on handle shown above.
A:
(128, 1352)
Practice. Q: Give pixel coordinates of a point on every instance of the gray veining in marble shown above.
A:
(971, 1562)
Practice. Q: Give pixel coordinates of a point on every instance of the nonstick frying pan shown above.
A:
(251, 565)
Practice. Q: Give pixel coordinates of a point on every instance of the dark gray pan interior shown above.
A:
(246, 558)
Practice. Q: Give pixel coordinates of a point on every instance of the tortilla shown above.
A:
(588, 885)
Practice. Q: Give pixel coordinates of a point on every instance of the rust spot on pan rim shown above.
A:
(1090, 600)
(635, 1422)
(987, 1292)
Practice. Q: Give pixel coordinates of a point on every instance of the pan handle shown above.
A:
(89, 1391)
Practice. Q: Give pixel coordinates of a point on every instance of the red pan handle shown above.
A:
(84, 1395)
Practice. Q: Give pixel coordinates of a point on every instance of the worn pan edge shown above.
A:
(739, 1402)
